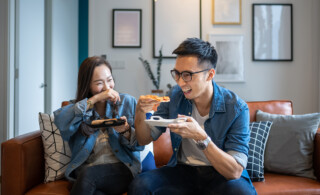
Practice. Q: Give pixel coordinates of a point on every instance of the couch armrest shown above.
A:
(22, 163)
(316, 155)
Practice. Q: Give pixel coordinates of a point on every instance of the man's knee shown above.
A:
(241, 187)
(141, 184)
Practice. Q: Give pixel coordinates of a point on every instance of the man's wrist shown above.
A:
(201, 137)
(141, 114)
(203, 144)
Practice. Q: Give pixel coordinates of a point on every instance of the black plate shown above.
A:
(108, 123)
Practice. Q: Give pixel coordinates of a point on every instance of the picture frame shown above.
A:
(230, 65)
(226, 12)
(171, 27)
(126, 28)
(272, 32)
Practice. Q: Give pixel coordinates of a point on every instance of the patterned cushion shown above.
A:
(258, 138)
(147, 158)
(56, 151)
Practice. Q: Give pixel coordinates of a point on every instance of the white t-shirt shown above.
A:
(189, 153)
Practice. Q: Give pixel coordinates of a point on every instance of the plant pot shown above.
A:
(158, 92)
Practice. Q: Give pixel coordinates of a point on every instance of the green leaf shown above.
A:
(146, 65)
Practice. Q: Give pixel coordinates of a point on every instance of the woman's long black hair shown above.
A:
(83, 89)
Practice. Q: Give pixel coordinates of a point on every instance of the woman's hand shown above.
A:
(108, 94)
(123, 127)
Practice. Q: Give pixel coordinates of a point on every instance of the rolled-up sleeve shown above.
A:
(69, 118)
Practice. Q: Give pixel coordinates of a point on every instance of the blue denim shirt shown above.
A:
(227, 125)
(68, 120)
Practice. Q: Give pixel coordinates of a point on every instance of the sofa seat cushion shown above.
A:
(59, 187)
(284, 184)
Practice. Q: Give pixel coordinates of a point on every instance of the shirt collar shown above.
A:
(218, 103)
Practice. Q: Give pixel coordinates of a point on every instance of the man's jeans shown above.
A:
(184, 179)
(102, 179)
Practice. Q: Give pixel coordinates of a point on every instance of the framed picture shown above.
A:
(126, 28)
(272, 32)
(226, 11)
(171, 27)
(230, 57)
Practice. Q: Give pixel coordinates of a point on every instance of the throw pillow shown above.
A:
(289, 148)
(259, 132)
(147, 158)
(56, 151)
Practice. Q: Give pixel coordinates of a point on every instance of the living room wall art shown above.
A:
(226, 11)
(126, 28)
(230, 57)
(173, 22)
(272, 32)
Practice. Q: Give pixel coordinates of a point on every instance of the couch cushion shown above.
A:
(147, 158)
(60, 187)
(162, 149)
(285, 184)
(56, 151)
(290, 145)
(259, 132)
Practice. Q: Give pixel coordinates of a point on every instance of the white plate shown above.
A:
(160, 122)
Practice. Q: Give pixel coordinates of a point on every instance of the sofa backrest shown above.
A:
(162, 146)
(272, 106)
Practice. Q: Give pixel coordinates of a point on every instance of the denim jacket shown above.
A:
(68, 120)
(227, 125)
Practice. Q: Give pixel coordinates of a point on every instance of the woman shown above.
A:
(104, 160)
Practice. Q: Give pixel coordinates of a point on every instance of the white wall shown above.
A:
(63, 63)
(316, 9)
(29, 63)
(297, 80)
(4, 73)
(64, 68)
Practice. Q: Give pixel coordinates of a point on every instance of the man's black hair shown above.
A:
(202, 49)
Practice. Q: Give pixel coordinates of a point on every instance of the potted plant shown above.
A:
(155, 79)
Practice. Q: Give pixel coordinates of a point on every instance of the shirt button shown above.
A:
(189, 113)
(175, 149)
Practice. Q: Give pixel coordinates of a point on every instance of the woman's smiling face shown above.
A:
(101, 80)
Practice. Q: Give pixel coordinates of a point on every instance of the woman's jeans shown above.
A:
(102, 179)
(185, 179)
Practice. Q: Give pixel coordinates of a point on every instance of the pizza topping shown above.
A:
(157, 98)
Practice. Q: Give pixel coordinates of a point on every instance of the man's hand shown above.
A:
(145, 105)
(189, 129)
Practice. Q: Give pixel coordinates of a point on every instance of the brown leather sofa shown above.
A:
(22, 163)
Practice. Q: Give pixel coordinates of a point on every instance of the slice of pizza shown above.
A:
(157, 98)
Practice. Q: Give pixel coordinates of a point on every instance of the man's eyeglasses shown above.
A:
(186, 75)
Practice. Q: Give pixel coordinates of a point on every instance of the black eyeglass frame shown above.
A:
(180, 74)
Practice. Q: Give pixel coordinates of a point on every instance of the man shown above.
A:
(210, 149)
